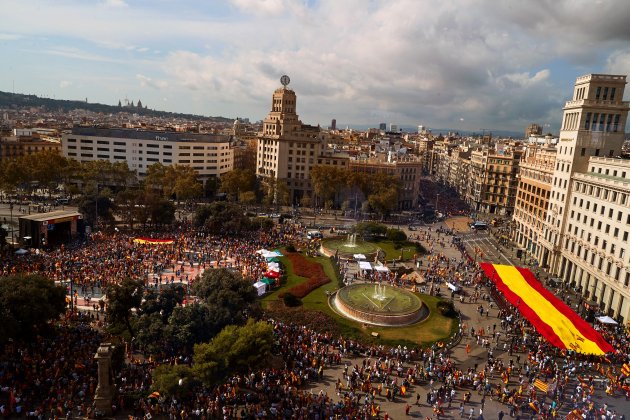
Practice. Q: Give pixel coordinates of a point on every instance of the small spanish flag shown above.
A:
(154, 394)
(625, 369)
(543, 386)
(153, 241)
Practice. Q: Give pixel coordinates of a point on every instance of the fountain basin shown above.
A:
(392, 307)
(345, 248)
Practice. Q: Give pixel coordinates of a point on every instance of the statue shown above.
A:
(105, 389)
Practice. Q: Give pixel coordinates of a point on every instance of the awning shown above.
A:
(365, 265)
(606, 320)
(268, 281)
(359, 257)
(453, 286)
(381, 268)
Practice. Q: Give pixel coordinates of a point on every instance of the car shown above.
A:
(479, 225)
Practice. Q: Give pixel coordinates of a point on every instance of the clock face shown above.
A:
(285, 80)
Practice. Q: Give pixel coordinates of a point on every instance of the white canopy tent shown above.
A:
(381, 268)
(359, 257)
(606, 320)
(261, 288)
(365, 265)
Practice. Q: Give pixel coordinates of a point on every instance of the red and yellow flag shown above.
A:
(153, 241)
(551, 317)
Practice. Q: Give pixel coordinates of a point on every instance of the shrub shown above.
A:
(305, 268)
(396, 235)
(291, 300)
(447, 308)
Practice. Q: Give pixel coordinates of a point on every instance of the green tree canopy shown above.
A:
(222, 217)
(27, 303)
(121, 299)
(237, 181)
(225, 288)
(234, 350)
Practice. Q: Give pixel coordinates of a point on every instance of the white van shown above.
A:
(314, 234)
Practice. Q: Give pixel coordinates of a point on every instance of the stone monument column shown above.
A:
(105, 389)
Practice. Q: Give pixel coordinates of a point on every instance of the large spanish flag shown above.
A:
(551, 317)
(153, 241)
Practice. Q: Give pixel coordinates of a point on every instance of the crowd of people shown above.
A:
(55, 377)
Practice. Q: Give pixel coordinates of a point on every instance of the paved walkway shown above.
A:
(477, 356)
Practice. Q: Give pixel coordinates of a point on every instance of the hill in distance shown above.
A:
(8, 100)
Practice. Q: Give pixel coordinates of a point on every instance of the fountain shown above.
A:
(379, 305)
(347, 246)
(379, 292)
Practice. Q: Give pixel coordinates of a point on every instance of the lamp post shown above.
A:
(11, 220)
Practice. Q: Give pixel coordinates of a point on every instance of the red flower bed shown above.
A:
(305, 268)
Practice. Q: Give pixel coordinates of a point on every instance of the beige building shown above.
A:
(593, 125)
(532, 197)
(493, 174)
(13, 147)
(287, 149)
(407, 170)
(595, 255)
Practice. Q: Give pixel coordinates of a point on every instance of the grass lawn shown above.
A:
(408, 249)
(435, 328)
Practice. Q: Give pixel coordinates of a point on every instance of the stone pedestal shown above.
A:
(105, 389)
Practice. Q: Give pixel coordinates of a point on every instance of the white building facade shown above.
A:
(208, 154)
(595, 255)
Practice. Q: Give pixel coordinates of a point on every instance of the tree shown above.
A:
(173, 380)
(367, 230)
(237, 180)
(247, 198)
(3, 238)
(121, 299)
(234, 350)
(222, 217)
(27, 303)
(162, 211)
(384, 201)
(226, 289)
(328, 181)
(185, 185)
(396, 235)
(192, 324)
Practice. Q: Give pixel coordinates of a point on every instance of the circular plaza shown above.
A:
(378, 304)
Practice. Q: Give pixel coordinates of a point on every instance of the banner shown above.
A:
(153, 241)
(551, 317)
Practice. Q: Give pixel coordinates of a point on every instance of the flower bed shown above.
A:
(304, 268)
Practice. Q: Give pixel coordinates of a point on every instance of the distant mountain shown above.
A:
(8, 100)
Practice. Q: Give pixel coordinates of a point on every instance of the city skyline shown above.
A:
(469, 66)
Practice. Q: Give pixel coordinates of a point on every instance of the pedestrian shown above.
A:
(407, 407)
(471, 413)
(461, 409)
(501, 414)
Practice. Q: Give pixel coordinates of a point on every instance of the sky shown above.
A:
(461, 64)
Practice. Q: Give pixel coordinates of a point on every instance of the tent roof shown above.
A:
(365, 265)
(606, 320)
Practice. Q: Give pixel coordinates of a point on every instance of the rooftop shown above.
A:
(131, 133)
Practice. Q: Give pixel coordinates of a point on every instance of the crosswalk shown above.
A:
(485, 247)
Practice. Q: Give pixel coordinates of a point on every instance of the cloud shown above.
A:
(147, 81)
(9, 37)
(77, 54)
(64, 84)
(115, 3)
(492, 64)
